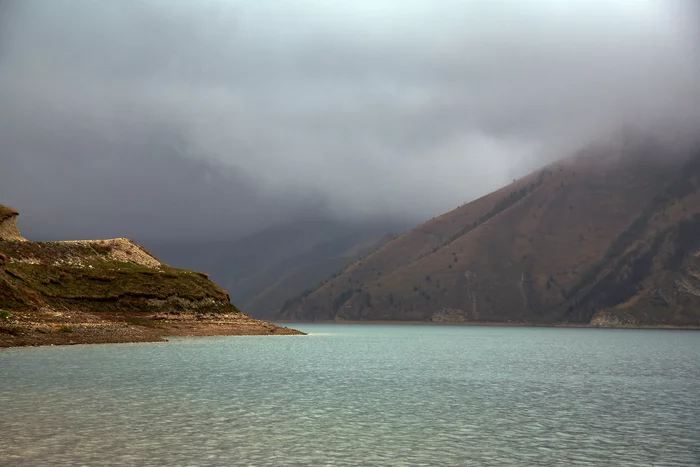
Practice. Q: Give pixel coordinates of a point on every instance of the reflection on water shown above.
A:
(359, 394)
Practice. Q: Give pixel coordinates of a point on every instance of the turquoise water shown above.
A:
(359, 395)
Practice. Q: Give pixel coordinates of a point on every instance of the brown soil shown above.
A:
(46, 327)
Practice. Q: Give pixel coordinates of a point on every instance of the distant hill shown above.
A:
(263, 270)
(609, 237)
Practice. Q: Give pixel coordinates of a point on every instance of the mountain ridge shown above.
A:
(528, 253)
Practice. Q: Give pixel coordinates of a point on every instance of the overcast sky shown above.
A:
(209, 118)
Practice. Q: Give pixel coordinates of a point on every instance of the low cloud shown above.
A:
(220, 117)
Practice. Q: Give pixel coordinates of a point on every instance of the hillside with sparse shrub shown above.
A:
(610, 237)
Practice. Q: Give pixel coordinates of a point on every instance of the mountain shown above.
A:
(105, 291)
(608, 237)
(263, 270)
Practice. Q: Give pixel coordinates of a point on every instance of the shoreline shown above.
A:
(497, 324)
(78, 328)
(46, 327)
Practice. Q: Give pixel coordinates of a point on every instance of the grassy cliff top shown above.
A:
(100, 275)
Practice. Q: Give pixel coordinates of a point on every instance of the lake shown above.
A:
(359, 395)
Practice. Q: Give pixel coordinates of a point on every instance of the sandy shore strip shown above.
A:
(47, 327)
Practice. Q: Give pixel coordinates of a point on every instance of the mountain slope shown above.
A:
(651, 272)
(552, 247)
(267, 268)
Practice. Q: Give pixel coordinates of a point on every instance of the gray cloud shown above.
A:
(239, 114)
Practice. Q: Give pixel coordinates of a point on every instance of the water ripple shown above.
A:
(359, 395)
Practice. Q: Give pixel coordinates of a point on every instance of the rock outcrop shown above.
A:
(8, 224)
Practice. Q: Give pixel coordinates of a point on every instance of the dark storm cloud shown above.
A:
(239, 114)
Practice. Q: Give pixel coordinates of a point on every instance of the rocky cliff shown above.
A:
(105, 291)
(8, 224)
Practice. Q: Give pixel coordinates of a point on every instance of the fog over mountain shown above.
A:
(183, 119)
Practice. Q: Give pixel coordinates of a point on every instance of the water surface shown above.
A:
(359, 394)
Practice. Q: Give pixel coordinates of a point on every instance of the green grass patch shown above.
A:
(99, 285)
